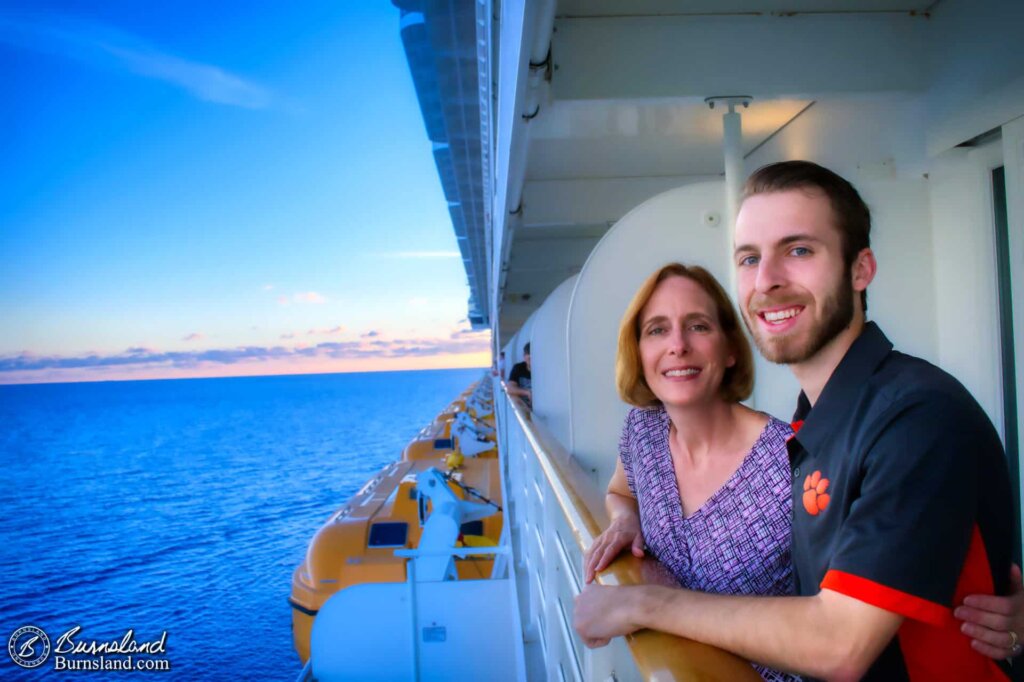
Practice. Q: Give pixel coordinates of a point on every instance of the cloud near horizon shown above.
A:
(148, 358)
(98, 44)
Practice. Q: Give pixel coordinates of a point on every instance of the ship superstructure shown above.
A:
(581, 144)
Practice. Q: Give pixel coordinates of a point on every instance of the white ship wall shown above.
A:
(965, 281)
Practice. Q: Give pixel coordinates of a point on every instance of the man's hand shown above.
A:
(989, 620)
(603, 612)
(621, 533)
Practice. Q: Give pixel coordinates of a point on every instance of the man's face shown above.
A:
(795, 291)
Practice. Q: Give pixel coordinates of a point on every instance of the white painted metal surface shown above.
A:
(449, 630)
(551, 397)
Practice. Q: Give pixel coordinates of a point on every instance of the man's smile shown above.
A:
(779, 319)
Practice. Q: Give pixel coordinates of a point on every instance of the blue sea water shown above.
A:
(184, 506)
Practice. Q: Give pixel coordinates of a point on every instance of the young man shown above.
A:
(519, 381)
(900, 487)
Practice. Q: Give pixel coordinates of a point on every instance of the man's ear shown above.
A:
(863, 270)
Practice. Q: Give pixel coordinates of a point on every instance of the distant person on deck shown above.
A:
(519, 383)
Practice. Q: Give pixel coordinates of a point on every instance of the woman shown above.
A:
(703, 481)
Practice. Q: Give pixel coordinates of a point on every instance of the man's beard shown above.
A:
(837, 314)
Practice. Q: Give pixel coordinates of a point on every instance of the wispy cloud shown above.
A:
(194, 336)
(106, 46)
(302, 297)
(370, 334)
(268, 287)
(470, 334)
(422, 254)
(309, 297)
(149, 358)
(325, 332)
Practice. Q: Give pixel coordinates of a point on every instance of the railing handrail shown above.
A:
(453, 551)
(658, 655)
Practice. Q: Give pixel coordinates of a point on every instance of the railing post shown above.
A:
(550, 607)
(598, 664)
(533, 532)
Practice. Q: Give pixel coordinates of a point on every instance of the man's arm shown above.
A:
(829, 635)
(516, 390)
(513, 386)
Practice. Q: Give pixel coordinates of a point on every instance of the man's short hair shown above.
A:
(852, 216)
(738, 381)
(526, 348)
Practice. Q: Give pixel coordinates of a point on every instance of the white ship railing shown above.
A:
(555, 510)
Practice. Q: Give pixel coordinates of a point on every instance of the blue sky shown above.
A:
(190, 179)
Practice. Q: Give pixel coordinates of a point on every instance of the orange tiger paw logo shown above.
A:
(815, 497)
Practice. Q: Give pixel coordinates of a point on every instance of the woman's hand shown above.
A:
(995, 624)
(624, 531)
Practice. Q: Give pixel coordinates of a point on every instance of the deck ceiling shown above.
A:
(610, 8)
(590, 162)
(615, 138)
(623, 116)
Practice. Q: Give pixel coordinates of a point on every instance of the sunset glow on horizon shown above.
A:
(467, 360)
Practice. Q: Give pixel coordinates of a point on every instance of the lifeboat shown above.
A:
(374, 536)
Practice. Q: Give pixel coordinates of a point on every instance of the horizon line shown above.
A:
(231, 376)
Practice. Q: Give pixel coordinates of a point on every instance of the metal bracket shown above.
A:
(729, 100)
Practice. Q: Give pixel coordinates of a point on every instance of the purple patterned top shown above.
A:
(738, 541)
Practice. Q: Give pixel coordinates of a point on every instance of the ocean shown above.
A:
(184, 506)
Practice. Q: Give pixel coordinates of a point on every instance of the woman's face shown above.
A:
(682, 348)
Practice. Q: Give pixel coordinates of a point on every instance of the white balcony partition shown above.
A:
(685, 224)
(550, 353)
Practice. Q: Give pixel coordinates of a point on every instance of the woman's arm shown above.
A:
(623, 530)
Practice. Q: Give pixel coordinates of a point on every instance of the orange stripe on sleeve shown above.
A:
(887, 598)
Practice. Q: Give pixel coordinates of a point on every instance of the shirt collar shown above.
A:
(842, 389)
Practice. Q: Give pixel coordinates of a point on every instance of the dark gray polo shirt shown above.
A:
(901, 499)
